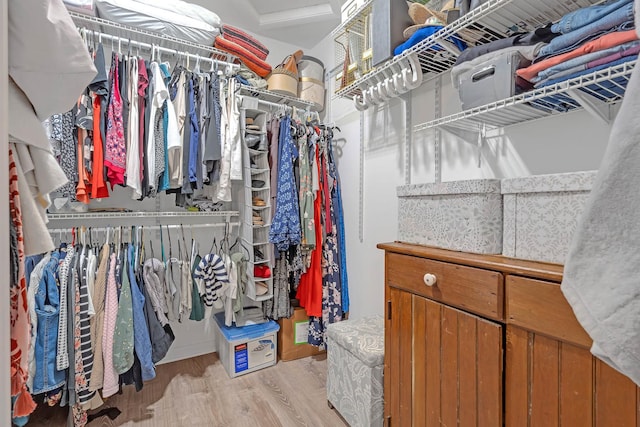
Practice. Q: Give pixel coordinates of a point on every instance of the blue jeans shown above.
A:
(586, 16)
(47, 377)
(603, 25)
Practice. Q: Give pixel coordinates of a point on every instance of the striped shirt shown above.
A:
(212, 280)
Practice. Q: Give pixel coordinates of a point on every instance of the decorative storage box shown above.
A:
(355, 365)
(248, 348)
(460, 215)
(541, 214)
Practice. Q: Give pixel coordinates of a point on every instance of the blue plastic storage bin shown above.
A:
(248, 348)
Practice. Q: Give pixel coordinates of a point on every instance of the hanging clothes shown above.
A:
(123, 339)
(178, 80)
(134, 180)
(307, 219)
(96, 323)
(309, 291)
(167, 111)
(22, 404)
(33, 286)
(46, 378)
(62, 358)
(155, 144)
(273, 135)
(332, 302)
(213, 281)
(142, 340)
(110, 382)
(285, 228)
(81, 331)
(231, 165)
(213, 146)
(62, 131)
(143, 84)
(116, 151)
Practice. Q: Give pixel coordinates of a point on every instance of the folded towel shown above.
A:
(243, 39)
(255, 64)
(602, 269)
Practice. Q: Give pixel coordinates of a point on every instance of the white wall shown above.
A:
(566, 143)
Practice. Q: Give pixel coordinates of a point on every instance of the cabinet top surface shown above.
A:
(538, 270)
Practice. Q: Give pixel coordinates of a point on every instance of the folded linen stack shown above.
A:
(589, 39)
(250, 51)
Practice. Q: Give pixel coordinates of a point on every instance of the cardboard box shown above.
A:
(292, 339)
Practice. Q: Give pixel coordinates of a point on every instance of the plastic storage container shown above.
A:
(491, 81)
(246, 349)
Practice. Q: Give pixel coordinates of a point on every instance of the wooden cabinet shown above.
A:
(475, 340)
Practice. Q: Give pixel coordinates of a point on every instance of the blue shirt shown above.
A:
(141, 338)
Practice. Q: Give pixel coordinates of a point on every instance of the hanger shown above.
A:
(213, 245)
(162, 243)
(170, 244)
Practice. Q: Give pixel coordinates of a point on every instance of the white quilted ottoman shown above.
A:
(355, 363)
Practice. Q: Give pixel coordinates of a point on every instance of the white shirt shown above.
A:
(133, 133)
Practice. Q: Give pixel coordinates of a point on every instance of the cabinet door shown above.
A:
(443, 366)
(550, 383)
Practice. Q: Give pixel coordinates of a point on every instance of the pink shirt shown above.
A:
(604, 42)
(111, 383)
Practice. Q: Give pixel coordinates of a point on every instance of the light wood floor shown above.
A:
(198, 393)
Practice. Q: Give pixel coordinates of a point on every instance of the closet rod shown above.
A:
(252, 100)
(230, 68)
(148, 227)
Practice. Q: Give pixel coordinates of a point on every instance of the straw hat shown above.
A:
(423, 16)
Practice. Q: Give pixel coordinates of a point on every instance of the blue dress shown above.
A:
(285, 226)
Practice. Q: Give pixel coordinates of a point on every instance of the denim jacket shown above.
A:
(614, 20)
(47, 299)
(586, 16)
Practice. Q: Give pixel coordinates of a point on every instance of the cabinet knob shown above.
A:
(429, 279)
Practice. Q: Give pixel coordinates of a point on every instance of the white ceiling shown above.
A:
(302, 23)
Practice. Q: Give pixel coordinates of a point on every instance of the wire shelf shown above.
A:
(93, 23)
(134, 215)
(276, 99)
(493, 20)
(604, 87)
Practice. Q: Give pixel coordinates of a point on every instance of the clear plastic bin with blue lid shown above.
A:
(247, 332)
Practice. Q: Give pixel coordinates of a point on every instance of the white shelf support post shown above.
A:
(592, 105)
(361, 189)
(408, 137)
(437, 149)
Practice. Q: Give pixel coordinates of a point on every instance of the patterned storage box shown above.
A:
(355, 365)
(459, 215)
(541, 214)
